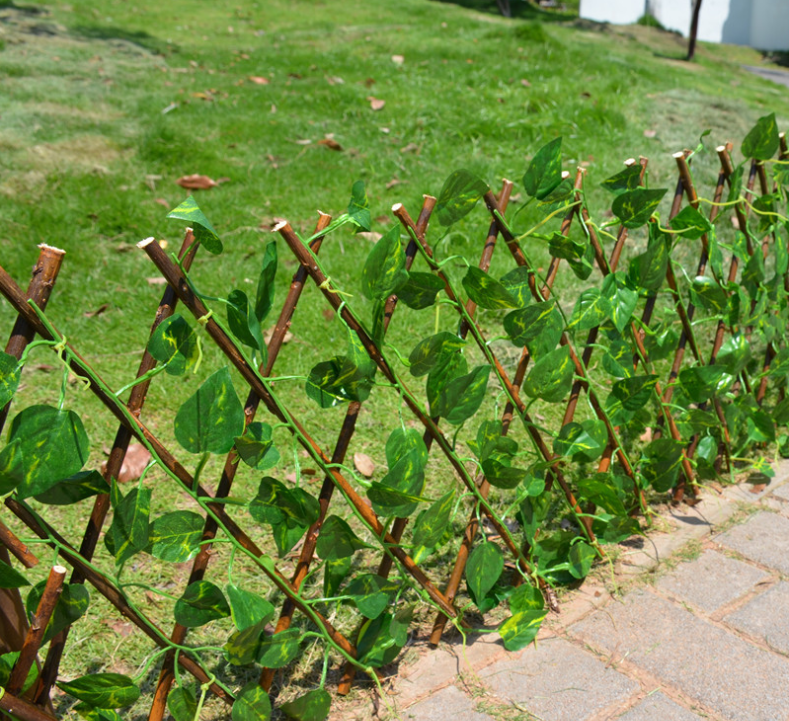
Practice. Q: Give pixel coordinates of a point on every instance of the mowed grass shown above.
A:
(89, 160)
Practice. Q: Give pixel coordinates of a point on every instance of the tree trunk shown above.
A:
(504, 8)
(694, 28)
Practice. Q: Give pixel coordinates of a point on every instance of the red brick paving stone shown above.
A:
(449, 704)
(763, 538)
(657, 707)
(739, 681)
(711, 581)
(766, 616)
(557, 681)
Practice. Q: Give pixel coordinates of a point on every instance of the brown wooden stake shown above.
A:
(20, 709)
(20, 550)
(35, 634)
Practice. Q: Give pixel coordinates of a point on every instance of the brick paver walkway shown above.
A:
(708, 640)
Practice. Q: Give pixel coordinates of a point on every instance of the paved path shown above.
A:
(777, 76)
(708, 639)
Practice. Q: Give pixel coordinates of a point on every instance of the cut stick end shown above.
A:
(60, 570)
(678, 155)
(398, 206)
(279, 226)
(782, 135)
(323, 215)
(720, 149)
(630, 161)
(52, 248)
(565, 174)
(145, 243)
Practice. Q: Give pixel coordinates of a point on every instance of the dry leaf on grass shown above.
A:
(97, 312)
(196, 182)
(121, 628)
(376, 103)
(391, 184)
(334, 80)
(331, 144)
(156, 281)
(258, 80)
(410, 148)
(364, 464)
(398, 59)
(162, 202)
(287, 338)
(137, 457)
(650, 133)
(370, 235)
(525, 83)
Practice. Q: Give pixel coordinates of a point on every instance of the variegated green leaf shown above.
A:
(241, 648)
(182, 704)
(648, 270)
(203, 230)
(707, 293)
(312, 706)
(129, 528)
(700, 383)
(580, 558)
(371, 593)
(252, 704)
(622, 299)
(486, 291)
(71, 605)
(256, 447)
(175, 344)
(460, 193)
(201, 603)
(277, 503)
(359, 207)
(483, 569)
(10, 372)
(376, 646)
(264, 296)
(430, 352)
(583, 442)
(279, 649)
(102, 690)
(517, 283)
(520, 629)
(538, 327)
(762, 141)
(461, 397)
(384, 271)
(247, 608)
(337, 539)
(243, 322)
(591, 309)
(635, 207)
(661, 463)
(72, 490)
(624, 180)
(501, 474)
(338, 380)
(420, 290)
(11, 578)
(562, 246)
(431, 525)
(175, 537)
(545, 170)
(691, 223)
(551, 377)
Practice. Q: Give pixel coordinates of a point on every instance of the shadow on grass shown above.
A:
(521, 9)
(778, 57)
(136, 37)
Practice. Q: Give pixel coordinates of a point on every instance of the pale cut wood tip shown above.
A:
(145, 243)
(279, 226)
(45, 246)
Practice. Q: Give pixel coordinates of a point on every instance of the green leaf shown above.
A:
(621, 298)
(591, 309)
(561, 246)
(483, 569)
(334, 573)
(635, 207)
(538, 327)
(241, 648)
(662, 460)
(398, 627)
(242, 321)
(431, 525)
(10, 371)
(583, 268)
(384, 271)
(359, 207)
(762, 141)
(102, 690)
(430, 351)
(279, 649)
(707, 293)
(420, 290)
(401, 442)
(182, 704)
(601, 489)
(376, 646)
(11, 578)
(338, 380)
(735, 354)
(580, 558)
(45, 445)
(264, 297)
(520, 629)
(337, 539)
(458, 196)
(175, 344)
(624, 180)
(526, 598)
(691, 223)
(129, 528)
(203, 230)
(276, 503)
(175, 537)
(256, 447)
(72, 490)
(201, 603)
(71, 605)
(87, 711)
(312, 706)
(212, 418)
(551, 376)
(462, 397)
(371, 594)
(583, 442)
(7, 662)
(389, 500)
(247, 608)
(648, 270)
(487, 292)
(517, 283)
(545, 170)
(252, 704)
(700, 383)
(631, 393)
(451, 366)
(501, 474)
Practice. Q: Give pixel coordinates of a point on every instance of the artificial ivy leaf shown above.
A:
(520, 629)
(562, 246)
(72, 490)
(526, 598)
(700, 383)
(7, 663)
(601, 489)
(175, 537)
(583, 268)
(591, 309)
(624, 180)
(580, 558)
(252, 704)
(247, 608)
(256, 447)
(544, 173)
(621, 298)
(276, 503)
(71, 606)
(430, 351)
(551, 376)
(337, 540)
(359, 207)
(753, 272)
(182, 704)
(462, 397)
(212, 418)
(420, 290)
(264, 297)
(501, 474)
(384, 271)
(517, 283)
(279, 649)
(129, 528)
(486, 291)
(102, 690)
(648, 270)
(401, 442)
(707, 293)
(241, 648)
(635, 207)
(371, 594)
(312, 706)
(691, 223)
(431, 525)
(620, 528)
(451, 366)
(762, 141)
(761, 428)
(45, 445)
(398, 627)
(583, 442)
(337, 381)
(243, 322)
(660, 345)
(399, 491)
(734, 354)
(10, 372)
(201, 603)
(376, 646)
(175, 344)
(662, 459)
(203, 230)
(631, 393)
(538, 327)
(458, 196)
(11, 578)
(334, 573)
(483, 569)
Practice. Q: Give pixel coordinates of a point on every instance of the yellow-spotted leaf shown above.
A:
(312, 706)
(520, 629)
(538, 327)
(279, 649)
(551, 376)
(203, 230)
(102, 690)
(431, 526)
(10, 372)
(201, 603)
(252, 704)
(384, 271)
(460, 193)
(175, 536)
(635, 207)
(486, 291)
(431, 351)
(175, 344)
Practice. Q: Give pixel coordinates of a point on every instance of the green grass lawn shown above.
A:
(105, 105)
